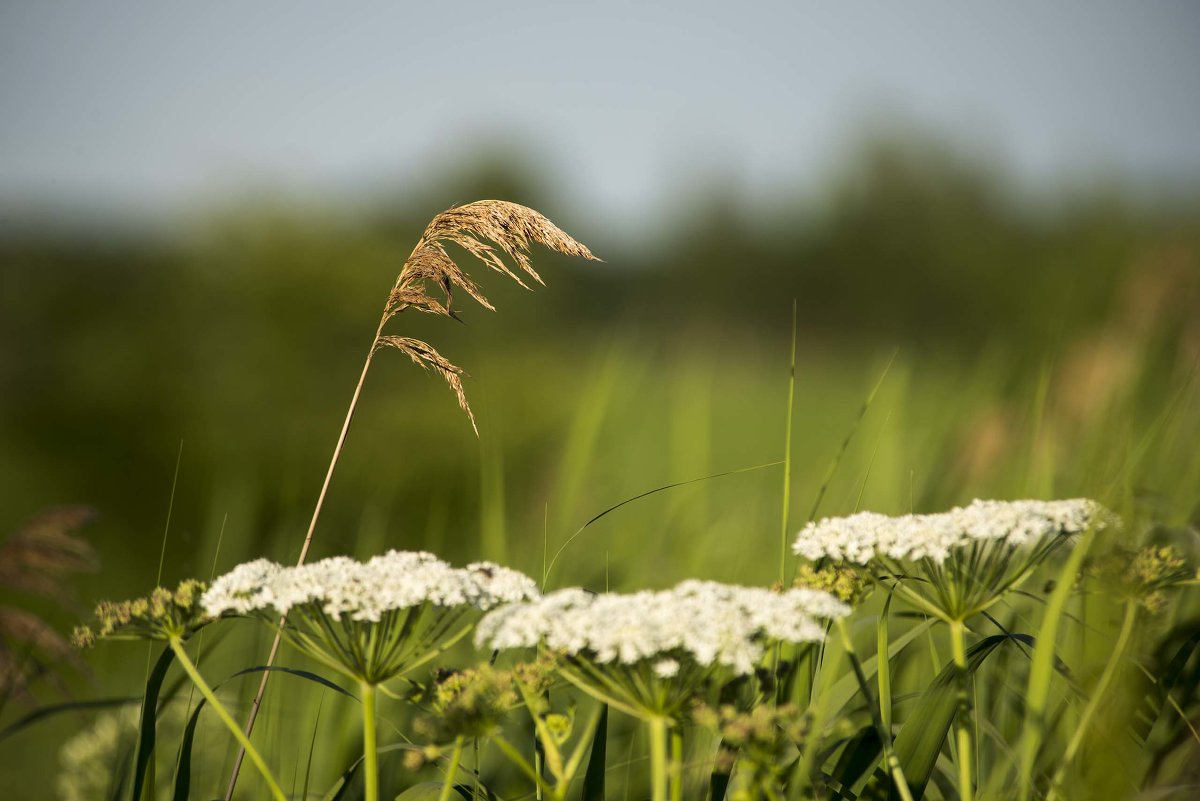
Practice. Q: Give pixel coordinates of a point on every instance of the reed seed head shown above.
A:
(489, 230)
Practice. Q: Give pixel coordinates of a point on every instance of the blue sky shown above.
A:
(141, 106)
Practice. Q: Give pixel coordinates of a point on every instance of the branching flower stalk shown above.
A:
(485, 229)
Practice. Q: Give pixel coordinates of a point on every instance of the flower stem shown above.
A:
(370, 752)
(958, 646)
(455, 758)
(658, 758)
(190, 669)
(676, 769)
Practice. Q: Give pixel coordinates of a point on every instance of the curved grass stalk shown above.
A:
(194, 674)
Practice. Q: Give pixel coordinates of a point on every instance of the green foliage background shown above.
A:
(1040, 346)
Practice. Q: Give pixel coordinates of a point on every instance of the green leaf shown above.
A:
(924, 732)
(855, 764)
(183, 775)
(145, 753)
(593, 777)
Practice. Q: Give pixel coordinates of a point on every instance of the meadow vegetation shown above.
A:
(714, 543)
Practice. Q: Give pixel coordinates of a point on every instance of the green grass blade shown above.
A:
(1156, 699)
(837, 459)
(341, 788)
(1042, 668)
(593, 777)
(924, 733)
(183, 775)
(883, 668)
(146, 730)
(41, 713)
(855, 764)
(303, 674)
(787, 457)
(844, 689)
(580, 530)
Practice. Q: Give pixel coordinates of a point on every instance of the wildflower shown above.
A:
(659, 628)
(1145, 575)
(861, 537)
(371, 620)
(952, 564)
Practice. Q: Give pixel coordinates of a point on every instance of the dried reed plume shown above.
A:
(512, 228)
(37, 560)
(485, 229)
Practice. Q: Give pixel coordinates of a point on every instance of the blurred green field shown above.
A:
(1022, 349)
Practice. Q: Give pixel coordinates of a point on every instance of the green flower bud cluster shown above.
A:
(158, 616)
(760, 739)
(1144, 575)
(844, 582)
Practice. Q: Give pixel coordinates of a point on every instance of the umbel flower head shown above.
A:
(863, 536)
(371, 620)
(649, 652)
(968, 556)
(161, 615)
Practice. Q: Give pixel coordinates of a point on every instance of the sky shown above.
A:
(137, 107)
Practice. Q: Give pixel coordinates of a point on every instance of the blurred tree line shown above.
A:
(242, 333)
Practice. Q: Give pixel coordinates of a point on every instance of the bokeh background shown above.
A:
(993, 214)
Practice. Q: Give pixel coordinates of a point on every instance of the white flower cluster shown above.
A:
(712, 623)
(365, 590)
(858, 538)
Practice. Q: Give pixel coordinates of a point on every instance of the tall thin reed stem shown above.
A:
(658, 758)
(194, 674)
(958, 646)
(312, 525)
